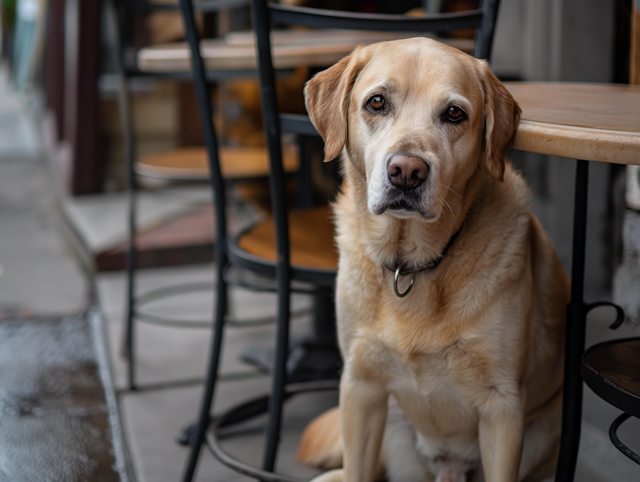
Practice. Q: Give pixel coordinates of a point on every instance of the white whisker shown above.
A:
(449, 206)
(451, 190)
(363, 201)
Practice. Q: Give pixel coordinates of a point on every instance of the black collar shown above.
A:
(432, 264)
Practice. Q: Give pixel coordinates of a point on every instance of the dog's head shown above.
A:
(417, 118)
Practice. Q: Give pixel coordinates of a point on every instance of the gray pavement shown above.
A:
(55, 419)
(55, 422)
(38, 273)
(153, 417)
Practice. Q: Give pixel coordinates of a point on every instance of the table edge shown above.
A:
(287, 56)
(611, 146)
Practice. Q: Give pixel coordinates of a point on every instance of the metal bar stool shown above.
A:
(570, 119)
(183, 165)
(313, 255)
(612, 370)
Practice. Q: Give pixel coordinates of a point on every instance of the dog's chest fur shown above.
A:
(442, 350)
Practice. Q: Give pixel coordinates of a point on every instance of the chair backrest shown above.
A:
(265, 14)
(205, 109)
(126, 26)
(128, 13)
(122, 19)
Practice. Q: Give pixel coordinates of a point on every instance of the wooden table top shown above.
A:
(291, 48)
(591, 122)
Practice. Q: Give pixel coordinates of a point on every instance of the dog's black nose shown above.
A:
(406, 172)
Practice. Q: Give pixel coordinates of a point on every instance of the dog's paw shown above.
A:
(451, 475)
(331, 476)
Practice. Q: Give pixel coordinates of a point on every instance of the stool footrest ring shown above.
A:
(613, 435)
(188, 288)
(251, 409)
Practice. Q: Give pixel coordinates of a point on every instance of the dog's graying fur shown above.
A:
(466, 371)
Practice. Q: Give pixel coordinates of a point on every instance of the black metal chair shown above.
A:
(282, 262)
(313, 255)
(183, 165)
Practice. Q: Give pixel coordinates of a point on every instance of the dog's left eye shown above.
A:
(455, 114)
(376, 103)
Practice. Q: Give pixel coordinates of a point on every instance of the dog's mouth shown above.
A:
(403, 206)
(401, 203)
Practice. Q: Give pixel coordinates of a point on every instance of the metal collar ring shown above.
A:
(395, 282)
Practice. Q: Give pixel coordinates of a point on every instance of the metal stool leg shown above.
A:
(129, 344)
(212, 376)
(129, 154)
(324, 317)
(132, 187)
(575, 334)
(279, 379)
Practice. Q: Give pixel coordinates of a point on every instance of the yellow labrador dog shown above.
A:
(450, 297)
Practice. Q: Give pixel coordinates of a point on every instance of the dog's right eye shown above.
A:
(455, 114)
(376, 103)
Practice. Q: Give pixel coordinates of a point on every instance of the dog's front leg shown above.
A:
(501, 435)
(363, 412)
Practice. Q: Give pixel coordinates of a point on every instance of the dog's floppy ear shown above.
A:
(327, 97)
(501, 117)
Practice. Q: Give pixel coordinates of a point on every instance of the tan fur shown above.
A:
(321, 443)
(473, 356)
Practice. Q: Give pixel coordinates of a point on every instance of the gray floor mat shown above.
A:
(54, 420)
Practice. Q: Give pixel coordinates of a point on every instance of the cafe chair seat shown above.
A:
(125, 19)
(192, 163)
(313, 253)
(612, 370)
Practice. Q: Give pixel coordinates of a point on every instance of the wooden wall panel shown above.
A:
(81, 119)
(54, 64)
(634, 69)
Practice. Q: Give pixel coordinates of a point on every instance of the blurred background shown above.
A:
(63, 205)
(59, 50)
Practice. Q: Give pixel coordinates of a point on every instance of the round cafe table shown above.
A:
(586, 122)
(592, 122)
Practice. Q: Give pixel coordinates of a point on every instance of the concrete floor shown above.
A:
(41, 275)
(54, 422)
(38, 273)
(153, 418)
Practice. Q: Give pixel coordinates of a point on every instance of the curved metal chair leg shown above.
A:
(613, 435)
(129, 154)
(129, 345)
(129, 341)
(127, 123)
(212, 377)
(279, 379)
(246, 411)
(218, 193)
